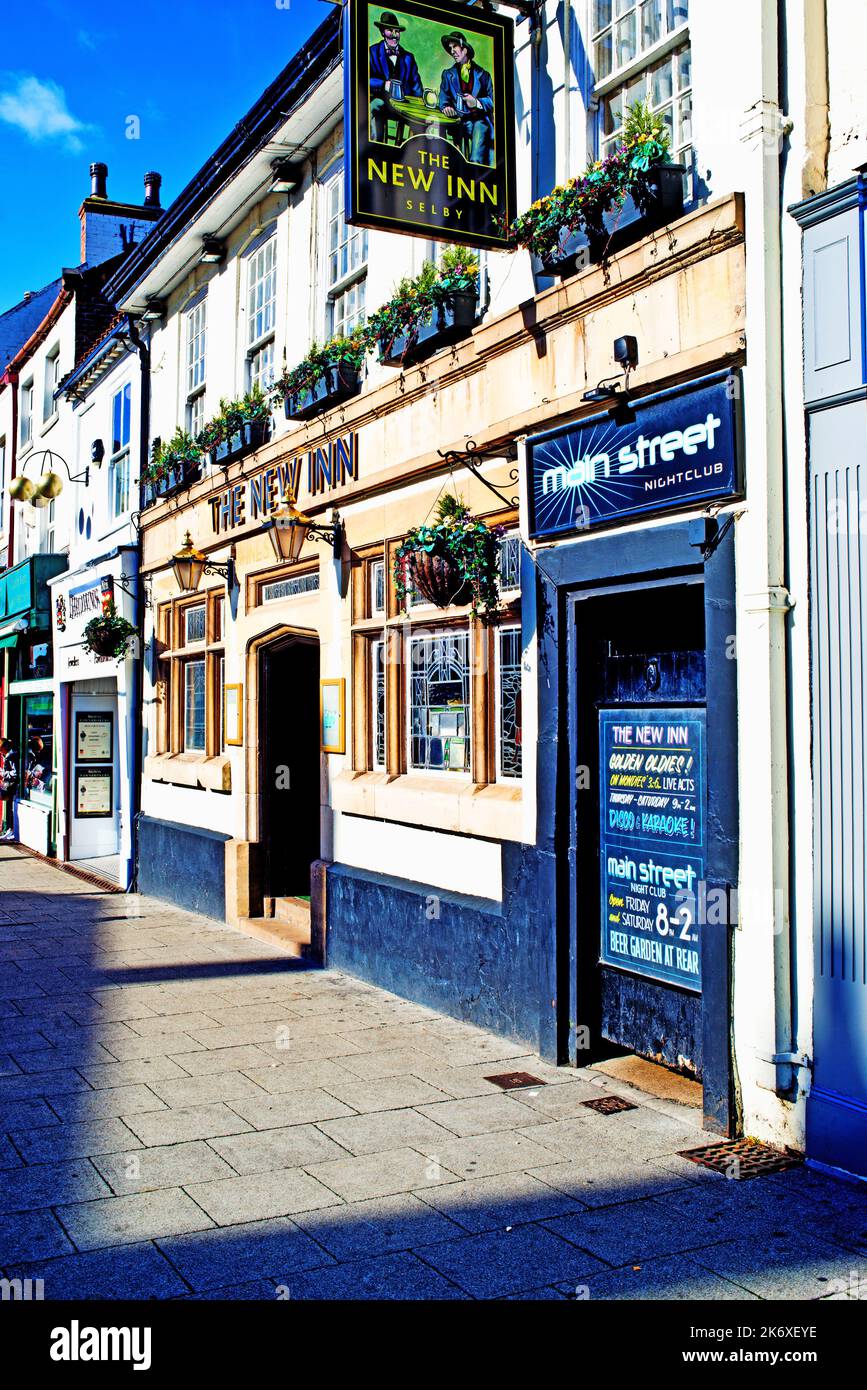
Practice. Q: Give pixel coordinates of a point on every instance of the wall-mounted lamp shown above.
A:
(97, 452)
(286, 176)
(213, 251)
(154, 310)
(190, 564)
(609, 391)
(289, 529)
(50, 485)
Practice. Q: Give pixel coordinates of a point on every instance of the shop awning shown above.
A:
(9, 641)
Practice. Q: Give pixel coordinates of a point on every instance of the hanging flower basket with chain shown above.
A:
(454, 561)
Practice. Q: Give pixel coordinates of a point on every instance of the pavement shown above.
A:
(186, 1113)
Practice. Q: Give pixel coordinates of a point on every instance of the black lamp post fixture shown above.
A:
(289, 528)
(190, 564)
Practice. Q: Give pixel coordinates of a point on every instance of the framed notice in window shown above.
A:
(233, 709)
(94, 792)
(94, 736)
(332, 715)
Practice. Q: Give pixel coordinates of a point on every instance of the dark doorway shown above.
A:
(640, 657)
(290, 765)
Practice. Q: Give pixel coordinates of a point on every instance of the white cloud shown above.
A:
(39, 109)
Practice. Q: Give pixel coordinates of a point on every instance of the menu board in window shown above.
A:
(94, 736)
(94, 791)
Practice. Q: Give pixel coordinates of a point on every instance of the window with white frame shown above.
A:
(508, 670)
(118, 470)
(261, 313)
(3, 483)
(196, 329)
(641, 52)
(52, 378)
(25, 415)
(346, 266)
(438, 691)
(376, 579)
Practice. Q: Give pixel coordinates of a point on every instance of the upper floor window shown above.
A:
(196, 341)
(261, 312)
(52, 379)
(118, 473)
(25, 421)
(642, 53)
(346, 266)
(3, 484)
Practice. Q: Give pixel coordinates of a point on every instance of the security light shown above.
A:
(213, 251)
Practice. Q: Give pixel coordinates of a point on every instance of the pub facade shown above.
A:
(567, 820)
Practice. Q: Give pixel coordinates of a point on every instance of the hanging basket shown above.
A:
(438, 578)
(108, 636)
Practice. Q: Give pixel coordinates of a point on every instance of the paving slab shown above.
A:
(294, 1146)
(387, 1277)
(504, 1200)
(128, 1271)
(48, 1184)
(123, 1220)
(384, 1129)
(359, 1229)
(257, 1196)
(506, 1262)
(171, 1165)
(290, 1108)
(175, 1126)
(31, 1235)
(381, 1174)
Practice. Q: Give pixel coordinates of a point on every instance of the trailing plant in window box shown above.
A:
(454, 560)
(577, 210)
(238, 427)
(173, 462)
(109, 634)
(436, 307)
(326, 376)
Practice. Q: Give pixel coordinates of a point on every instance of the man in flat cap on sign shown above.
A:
(394, 73)
(467, 91)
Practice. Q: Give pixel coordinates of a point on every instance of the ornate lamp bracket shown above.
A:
(473, 457)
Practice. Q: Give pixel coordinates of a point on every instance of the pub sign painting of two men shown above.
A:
(429, 121)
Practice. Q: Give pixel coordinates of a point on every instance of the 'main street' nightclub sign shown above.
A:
(679, 450)
(429, 120)
(324, 468)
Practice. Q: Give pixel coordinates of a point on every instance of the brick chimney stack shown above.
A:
(107, 227)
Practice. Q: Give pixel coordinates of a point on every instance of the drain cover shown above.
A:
(741, 1158)
(514, 1080)
(609, 1105)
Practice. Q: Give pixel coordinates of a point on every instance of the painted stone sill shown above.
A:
(493, 811)
(190, 770)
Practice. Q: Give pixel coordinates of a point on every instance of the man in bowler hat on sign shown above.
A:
(393, 73)
(467, 91)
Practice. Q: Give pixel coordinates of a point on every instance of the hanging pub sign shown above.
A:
(652, 798)
(674, 450)
(429, 121)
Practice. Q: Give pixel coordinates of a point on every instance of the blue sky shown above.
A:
(71, 76)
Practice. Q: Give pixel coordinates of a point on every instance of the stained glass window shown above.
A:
(377, 689)
(194, 706)
(509, 701)
(510, 563)
(439, 702)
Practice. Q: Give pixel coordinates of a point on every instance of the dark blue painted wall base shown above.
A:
(183, 865)
(482, 962)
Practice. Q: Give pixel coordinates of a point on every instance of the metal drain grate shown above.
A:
(514, 1080)
(609, 1105)
(742, 1158)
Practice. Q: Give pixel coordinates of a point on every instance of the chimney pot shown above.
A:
(152, 183)
(98, 177)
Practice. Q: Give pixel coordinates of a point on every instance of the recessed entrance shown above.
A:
(640, 822)
(289, 771)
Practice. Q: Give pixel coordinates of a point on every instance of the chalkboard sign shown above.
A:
(652, 841)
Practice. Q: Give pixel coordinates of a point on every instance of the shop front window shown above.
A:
(34, 660)
(38, 760)
(377, 688)
(439, 702)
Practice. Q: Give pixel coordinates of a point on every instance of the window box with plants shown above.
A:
(175, 463)
(435, 309)
(631, 191)
(109, 635)
(452, 561)
(239, 428)
(326, 377)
